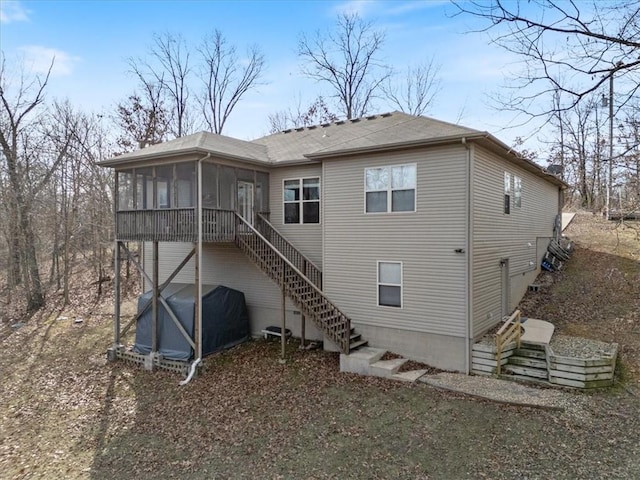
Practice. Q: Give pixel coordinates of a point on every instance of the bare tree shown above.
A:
(414, 91)
(317, 113)
(226, 78)
(347, 61)
(142, 119)
(31, 156)
(168, 68)
(569, 47)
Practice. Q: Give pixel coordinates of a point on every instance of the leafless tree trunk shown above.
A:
(347, 61)
(226, 77)
(14, 114)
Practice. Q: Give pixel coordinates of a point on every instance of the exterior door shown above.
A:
(246, 201)
(506, 287)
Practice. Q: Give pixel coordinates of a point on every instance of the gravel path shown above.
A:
(505, 391)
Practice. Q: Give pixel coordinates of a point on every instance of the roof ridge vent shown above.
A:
(354, 120)
(384, 115)
(371, 117)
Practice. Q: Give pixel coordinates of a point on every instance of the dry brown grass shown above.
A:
(597, 294)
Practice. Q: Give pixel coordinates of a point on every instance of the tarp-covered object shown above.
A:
(225, 320)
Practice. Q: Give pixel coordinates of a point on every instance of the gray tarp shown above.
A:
(225, 320)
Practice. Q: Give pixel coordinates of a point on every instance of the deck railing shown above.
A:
(175, 225)
(297, 258)
(297, 286)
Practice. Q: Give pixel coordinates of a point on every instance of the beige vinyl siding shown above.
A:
(305, 237)
(424, 241)
(497, 235)
(222, 264)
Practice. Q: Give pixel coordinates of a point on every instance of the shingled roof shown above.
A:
(201, 142)
(376, 131)
(388, 131)
(302, 144)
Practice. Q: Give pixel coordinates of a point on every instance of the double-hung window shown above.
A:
(390, 189)
(517, 192)
(390, 284)
(507, 193)
(302, 200)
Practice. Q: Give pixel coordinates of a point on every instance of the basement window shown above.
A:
(390, 284)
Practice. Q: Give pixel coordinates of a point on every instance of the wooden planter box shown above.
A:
(582, 372)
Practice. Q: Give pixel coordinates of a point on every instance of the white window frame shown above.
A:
(401, 284)
(300, 181)
(517, 191)
(390, 190)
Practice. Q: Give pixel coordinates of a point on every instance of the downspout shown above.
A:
(198, 353)
(469, 250)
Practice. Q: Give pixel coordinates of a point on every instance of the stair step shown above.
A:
(356, 345)
(532, 346)
(527, 362)
(526, 371)
(360, 361)
(410, 376)
(531, 353)
(386, 368)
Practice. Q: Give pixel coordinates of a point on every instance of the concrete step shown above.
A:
(410, 376)
(360, 361)
(357, 344)
(386, 368)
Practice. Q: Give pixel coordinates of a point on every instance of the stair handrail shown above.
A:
(315, 270)
(511, 330)
(294, 268)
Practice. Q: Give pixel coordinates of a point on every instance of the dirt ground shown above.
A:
(67, 413)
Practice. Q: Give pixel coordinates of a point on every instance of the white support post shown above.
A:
(198, 268)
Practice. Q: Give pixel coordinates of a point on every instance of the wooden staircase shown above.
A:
(529, 363)
(299, 277)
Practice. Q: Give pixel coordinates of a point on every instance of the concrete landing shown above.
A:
(501, 391)
(536, 331)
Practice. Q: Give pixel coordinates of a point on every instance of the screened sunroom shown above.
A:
(160, 202)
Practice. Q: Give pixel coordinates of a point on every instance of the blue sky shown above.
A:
(92, 39)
